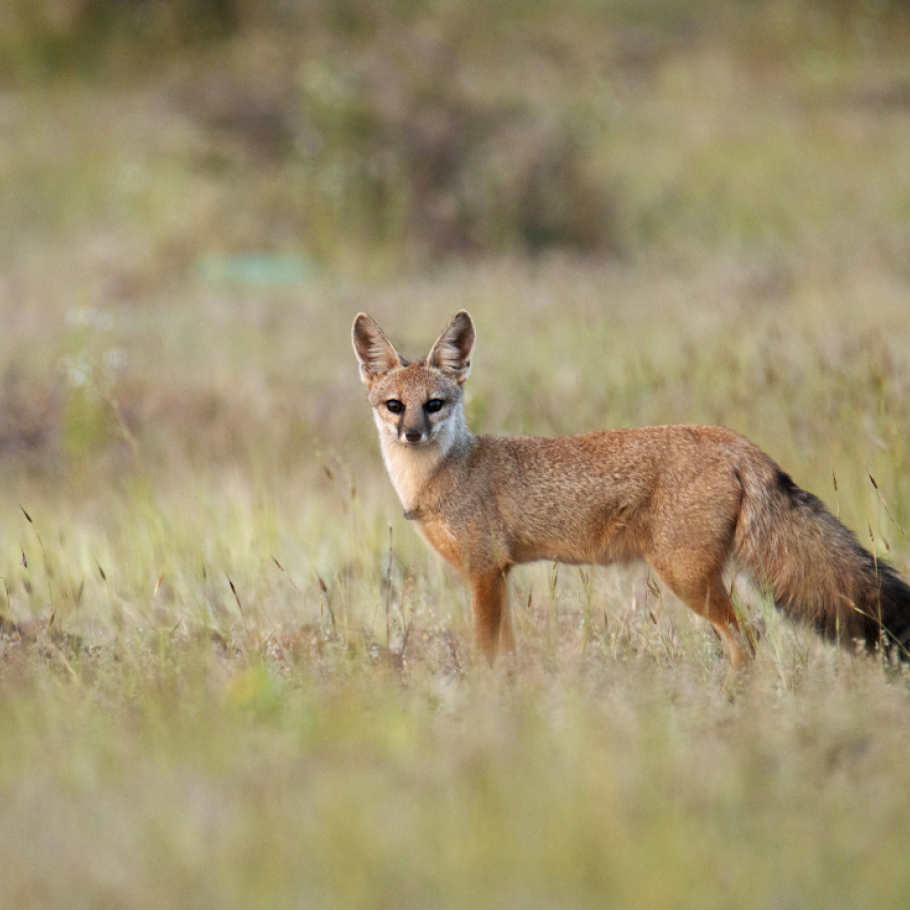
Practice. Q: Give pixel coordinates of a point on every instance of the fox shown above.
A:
(689, 500)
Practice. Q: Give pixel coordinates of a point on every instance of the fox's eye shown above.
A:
(394, 405)
(434, 405)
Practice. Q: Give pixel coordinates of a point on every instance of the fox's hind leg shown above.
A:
(708, 598)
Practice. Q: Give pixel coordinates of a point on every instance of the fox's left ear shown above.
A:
(452, 350)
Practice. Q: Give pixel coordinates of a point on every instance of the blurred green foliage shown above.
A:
(425, 129)
(408, 152)
(60, 34)
(387, 117)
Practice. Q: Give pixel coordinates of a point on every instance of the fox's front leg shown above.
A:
(491, 618)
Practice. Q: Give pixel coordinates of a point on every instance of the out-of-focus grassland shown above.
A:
(236, 677)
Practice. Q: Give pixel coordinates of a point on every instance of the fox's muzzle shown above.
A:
(411, 431)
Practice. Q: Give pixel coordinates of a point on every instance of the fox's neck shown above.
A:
(411, 467)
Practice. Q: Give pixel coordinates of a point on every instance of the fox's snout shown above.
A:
(415, 430)
(406, 428)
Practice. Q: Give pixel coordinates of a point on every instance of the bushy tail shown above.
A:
(814, 567)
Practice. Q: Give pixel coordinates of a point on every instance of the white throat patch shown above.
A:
(410, 467)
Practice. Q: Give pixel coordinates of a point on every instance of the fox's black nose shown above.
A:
(412, 435)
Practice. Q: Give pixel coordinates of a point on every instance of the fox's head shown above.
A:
(420, 402)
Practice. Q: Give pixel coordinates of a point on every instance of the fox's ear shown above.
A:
(374, 351)
(452, 350)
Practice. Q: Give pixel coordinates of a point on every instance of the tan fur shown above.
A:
(687, 499)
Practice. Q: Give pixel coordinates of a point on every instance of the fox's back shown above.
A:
(587, 498)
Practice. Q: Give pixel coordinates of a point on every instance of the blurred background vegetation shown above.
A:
(433, 129)
(231, 674)
(175, 175)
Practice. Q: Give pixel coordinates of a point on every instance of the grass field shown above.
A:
(232, 676)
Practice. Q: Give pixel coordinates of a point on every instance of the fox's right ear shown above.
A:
(374, 351)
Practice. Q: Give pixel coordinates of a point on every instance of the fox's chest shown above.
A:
(410, 469)
(439, 536)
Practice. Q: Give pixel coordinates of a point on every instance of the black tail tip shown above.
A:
(889, 625)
